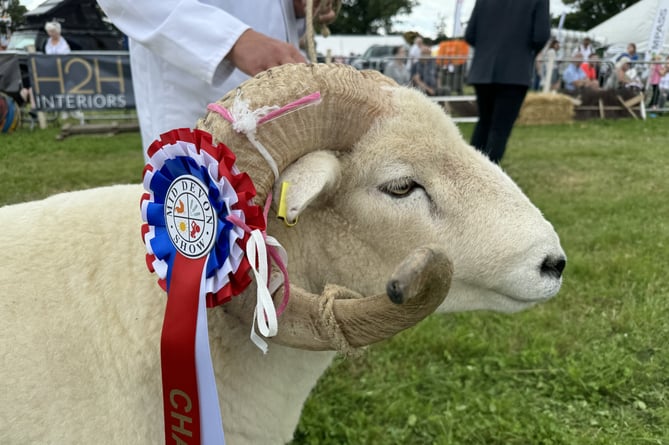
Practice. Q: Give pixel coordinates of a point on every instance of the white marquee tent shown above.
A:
(637, 24)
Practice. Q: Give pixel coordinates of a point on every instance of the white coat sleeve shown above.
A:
(194, 36)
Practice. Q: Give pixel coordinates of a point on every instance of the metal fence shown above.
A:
(635, 78)
(605, 84)
(450, 82)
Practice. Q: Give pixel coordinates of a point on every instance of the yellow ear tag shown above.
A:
(281, 213)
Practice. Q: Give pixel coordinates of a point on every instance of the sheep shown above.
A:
(377, 172)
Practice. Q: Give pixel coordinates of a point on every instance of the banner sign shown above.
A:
(659, 29)
(81, 81)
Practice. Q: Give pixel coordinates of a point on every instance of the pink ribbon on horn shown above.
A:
(303, 101)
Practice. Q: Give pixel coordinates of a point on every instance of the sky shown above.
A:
(424, 17)
(31, 4)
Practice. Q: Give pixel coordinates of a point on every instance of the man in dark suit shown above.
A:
(506, 36)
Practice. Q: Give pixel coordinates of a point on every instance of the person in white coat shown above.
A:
(185, 54)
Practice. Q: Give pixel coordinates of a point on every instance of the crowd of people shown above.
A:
(584, 69)
(250, 42)
(427, 69)
(433, 74)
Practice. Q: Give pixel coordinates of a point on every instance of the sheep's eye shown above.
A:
(399, 187)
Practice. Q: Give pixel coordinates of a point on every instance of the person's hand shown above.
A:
(255, 52)
(326, 13)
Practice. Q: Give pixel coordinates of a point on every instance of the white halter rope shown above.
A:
(245, 121)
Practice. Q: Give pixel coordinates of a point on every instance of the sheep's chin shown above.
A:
(465, 297)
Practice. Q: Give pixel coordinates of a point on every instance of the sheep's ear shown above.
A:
(312, 177)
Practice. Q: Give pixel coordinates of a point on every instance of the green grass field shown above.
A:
(589, 367)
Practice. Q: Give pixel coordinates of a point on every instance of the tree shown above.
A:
(369, 16)
(590, 13)
(14, 11)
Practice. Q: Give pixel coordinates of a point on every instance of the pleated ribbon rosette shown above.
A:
(204, 237)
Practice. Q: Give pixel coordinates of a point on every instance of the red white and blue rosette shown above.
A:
(191, 153)
(204, 236)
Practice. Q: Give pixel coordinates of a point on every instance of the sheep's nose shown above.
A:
(553, 266)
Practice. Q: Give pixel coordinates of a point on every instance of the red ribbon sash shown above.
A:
(177, 352)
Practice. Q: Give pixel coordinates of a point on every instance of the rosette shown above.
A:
(203, 237)
(178, 216)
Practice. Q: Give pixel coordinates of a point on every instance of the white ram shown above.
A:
(377, 171)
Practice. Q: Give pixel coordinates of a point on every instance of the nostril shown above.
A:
(553, 266)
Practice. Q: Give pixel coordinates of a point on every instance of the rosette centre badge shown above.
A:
(189, 217)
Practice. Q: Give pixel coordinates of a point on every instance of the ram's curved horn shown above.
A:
(351, 101)
(340, 319)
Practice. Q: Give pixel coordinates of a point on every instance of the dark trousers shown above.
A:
(498, 105)
(655, 96)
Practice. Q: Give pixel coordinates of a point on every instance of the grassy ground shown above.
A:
(33, 164)
(589, 367)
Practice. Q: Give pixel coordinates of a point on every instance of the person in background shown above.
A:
(397, 68)
(415, 51)
(56, 43)
(185, 54)
(664, 86)
(424, 72)
(551, 52)
(584, 49)
(537, 73)
(657, 70)
(4, 40)
(624, 75)
(501, 70)
(630, 54)
(590, 67)
(574, 78)
(452, 57)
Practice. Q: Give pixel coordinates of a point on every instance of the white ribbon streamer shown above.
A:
(211, 425)
(265, 313)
